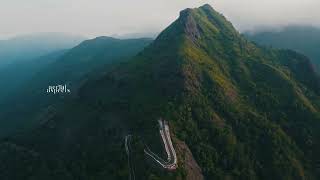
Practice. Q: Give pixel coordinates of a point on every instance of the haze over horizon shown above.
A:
(144, 17)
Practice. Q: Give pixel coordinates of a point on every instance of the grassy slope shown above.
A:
(245, 112)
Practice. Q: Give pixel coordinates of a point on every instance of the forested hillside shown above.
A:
(303, 39)
(239, 111)
(28, 101)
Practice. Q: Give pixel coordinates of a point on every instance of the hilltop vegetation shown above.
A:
(245, 112)
(303, 39)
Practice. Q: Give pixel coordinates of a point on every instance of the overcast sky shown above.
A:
(109, 17)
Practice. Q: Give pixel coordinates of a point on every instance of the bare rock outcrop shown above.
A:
(186, 160)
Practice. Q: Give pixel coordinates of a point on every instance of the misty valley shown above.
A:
(200, 101)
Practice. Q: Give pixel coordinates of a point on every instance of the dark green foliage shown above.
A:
(245, 112)
(29, 103)
(15, 75)
(303, 39)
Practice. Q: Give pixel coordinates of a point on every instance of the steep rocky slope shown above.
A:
(245, 112)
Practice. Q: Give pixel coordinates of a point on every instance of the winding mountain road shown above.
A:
(171, 162)
(128, 151)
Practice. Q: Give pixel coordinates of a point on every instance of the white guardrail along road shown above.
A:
(171, 163)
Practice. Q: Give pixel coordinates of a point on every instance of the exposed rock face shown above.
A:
(191, 28)
(186, 160)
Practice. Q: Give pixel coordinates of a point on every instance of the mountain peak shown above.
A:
(189, 23)
(185, 12)
(202, 26)
(222, 96)
(188, 11)
(197, 23)
(206, 6)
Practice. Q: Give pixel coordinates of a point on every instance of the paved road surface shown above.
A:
(128, 151)
(171, 162)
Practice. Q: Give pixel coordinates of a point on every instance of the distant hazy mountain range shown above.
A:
(304, 39)
(24, 96)
(236, 110)
(28, 47)
(15, 74)
(21, 57)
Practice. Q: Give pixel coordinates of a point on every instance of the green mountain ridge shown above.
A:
(28, 47)
(15, 75)
(90, 59)
(303, 39)
(245, 112)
